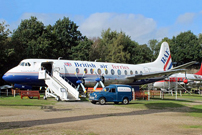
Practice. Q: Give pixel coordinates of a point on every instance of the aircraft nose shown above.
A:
(5, 78)
(155, 84)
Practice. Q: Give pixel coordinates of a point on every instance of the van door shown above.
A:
(111, 95)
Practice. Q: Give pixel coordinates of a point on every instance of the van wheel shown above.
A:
(125, 101)
(102, 101)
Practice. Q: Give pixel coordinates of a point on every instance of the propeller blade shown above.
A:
(76, 75)
(95, 72)
(84, 74)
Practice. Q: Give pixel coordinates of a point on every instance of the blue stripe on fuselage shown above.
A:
(33, 80)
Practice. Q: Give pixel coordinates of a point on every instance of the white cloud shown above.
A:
(45, 18)
(136, 26)
(186, 18)
(186, 22)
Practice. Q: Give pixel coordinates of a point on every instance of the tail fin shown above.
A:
(200, 71)
(164, 59)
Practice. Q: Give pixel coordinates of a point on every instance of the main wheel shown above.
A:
(102, 101)
(125, 101)
(57, 98)
(44, 97)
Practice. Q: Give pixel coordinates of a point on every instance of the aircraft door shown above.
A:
(47, 66)
(146, 69)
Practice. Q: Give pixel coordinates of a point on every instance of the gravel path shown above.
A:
(86, 118)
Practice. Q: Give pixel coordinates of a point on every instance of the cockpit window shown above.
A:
(22, 64)
(25, 64)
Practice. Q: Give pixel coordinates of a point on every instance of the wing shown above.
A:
(154, 74)
(185, 65)
(195, 79)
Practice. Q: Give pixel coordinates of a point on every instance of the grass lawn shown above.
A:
(190, 104)
(17, 101)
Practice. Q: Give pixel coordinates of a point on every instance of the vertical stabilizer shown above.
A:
(164, 58)
(200, 71)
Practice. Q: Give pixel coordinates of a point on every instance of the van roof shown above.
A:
(120, 85)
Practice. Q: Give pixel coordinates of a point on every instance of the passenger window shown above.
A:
(99, 71)
(112, 71)
(131, 72)
(126, 72)
(85, 70)
(136, 72)
(141, 72)
(77, 70)
(106, 71)
(119, 72)
(91, 71)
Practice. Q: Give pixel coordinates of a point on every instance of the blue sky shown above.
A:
(142, 20)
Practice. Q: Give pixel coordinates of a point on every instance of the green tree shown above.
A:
(187, 47)
(94, 53)
(153, 45)
(5, 50)
(144, 54)
(27, 39)
(68, 36)
(81, 51)
(116, 50)
(113, 47)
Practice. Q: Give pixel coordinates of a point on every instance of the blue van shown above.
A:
(112, 93)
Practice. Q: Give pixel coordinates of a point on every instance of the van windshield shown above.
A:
(105, 89)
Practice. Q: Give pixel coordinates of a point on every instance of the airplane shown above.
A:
(180, 80)
(89, 73)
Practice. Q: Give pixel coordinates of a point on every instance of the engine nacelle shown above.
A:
(90, 82)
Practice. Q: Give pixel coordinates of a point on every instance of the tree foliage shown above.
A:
(186, 48)
(5, 50)
(28, 39)
(68, 36)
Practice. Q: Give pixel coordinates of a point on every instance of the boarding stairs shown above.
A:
(58, 87)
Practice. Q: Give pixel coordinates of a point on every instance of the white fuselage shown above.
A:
(178, 79)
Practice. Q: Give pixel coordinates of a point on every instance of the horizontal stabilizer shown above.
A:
(184, 65)
(195, 79)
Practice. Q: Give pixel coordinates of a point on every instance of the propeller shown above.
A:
(99, 80)
(185, 80)
(80, 82)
